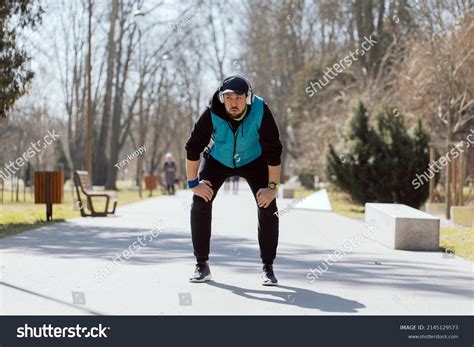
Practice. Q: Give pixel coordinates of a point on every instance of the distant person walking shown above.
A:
(227, 184)
(235, 184)
(170, 173)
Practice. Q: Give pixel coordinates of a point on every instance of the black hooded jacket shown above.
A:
(202, 132)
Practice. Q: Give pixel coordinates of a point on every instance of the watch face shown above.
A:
(272, 185)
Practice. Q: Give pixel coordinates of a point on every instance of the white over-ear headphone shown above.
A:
(250, 95)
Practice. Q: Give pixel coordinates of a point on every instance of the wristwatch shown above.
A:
(272, 185)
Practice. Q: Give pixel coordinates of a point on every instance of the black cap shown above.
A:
(236, 85)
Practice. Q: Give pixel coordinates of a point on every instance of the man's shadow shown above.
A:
(296, 296)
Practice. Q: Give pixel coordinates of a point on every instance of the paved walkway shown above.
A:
(42, 270)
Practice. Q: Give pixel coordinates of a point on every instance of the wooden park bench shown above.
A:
(83, 184)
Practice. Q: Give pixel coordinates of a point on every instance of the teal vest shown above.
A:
(235, 150)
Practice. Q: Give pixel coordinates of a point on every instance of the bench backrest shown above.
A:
(82, 179)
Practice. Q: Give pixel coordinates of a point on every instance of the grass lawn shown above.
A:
(16, 217)
(458, 240)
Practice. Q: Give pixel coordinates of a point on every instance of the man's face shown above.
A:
(234, 104)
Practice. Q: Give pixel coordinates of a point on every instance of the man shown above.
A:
(246, 143)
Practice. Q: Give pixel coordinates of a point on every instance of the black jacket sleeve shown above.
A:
(270, 138)
(200, 136)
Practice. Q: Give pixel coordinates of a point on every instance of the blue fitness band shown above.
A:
(193, 183)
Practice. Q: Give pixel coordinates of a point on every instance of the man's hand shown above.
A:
(204, 190)
(265, 196)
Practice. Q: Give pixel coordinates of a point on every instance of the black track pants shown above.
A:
(256, 174)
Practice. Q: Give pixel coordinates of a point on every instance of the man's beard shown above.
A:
(237, 115)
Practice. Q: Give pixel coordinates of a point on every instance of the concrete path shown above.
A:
(60, 269)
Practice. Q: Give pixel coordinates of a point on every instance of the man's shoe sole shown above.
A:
(270, 284)
(205, 279)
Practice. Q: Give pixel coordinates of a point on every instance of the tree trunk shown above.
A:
(449, 140)
(100, 167)
(122, 69)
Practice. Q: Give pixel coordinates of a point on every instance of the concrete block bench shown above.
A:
(288, 193)
(463, 215)
(402, 227)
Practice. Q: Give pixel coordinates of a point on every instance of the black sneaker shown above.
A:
(202, 273)
(268, 277)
